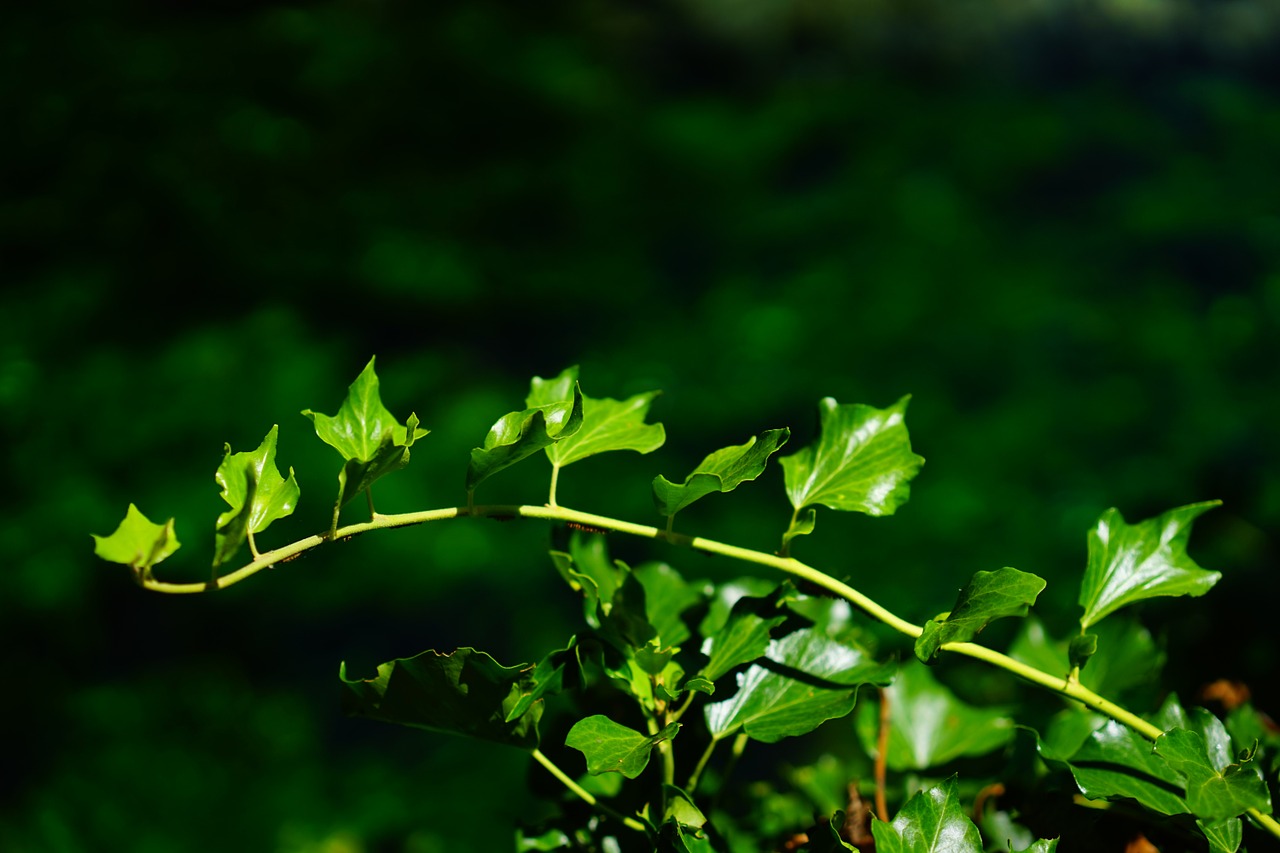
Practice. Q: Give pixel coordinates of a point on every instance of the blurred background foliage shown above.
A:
(1055, 223)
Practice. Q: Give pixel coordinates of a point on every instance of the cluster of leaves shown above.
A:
(667, 665)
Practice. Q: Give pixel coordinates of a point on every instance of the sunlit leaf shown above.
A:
(372, 442)
(607, 424)
(255, 491)
(611, 747)
(518, 435)
(552, 839)
(1043, 845)
(929, 725)
(137, 542)
(862, 461)
(988, 596)
(681, 808)
(932, 821)
(722, 471)
(804, 679)
(726, 595)
(745, 636)
(465, 692)
(1217, 787)
(1133, 562)
(1126, 657)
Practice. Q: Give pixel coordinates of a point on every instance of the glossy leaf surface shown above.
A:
(607, 424)
(137, 541)
(518, 435)
(805, 679)
(1132, 562)
(744, 637)
(988, 596)
(1217, 787)
(1126, 657)
(1117, 762)
(666, 597)
(929, 725)
(465, 692)
(722, 471)
(256, 493)
(611, 747)
(932, 821)
(1224, 836)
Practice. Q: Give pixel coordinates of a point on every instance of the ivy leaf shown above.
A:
(607, 424)
(929, 725)
(137, 542)
(862, 462)
(1116, 762)
(547, 678)
(744, 637)
(805, 679)
(1126, 657)
(1043, 845)
(932, 821)
(681, 808)
(1216, 787)
(1133, 562)
(722, 471)
(368, 436)
(1081, 648)
(987, 597)
(825, 837)
(257, 494)
(519, 435)
(1224, 836)
(666, 597)
(465, 692)
(611, 747)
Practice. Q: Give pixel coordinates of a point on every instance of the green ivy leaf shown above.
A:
(1133, 562)
(255, 491)
(370, 439)
(666, 598)
(518, 435)
(1116, 762)
(137, 542)
(611, 747)
(1081, 648)
(722, 471)
(805, 679)
(1126, 657)
(465, 692)
(862, 461)
(1043, 845)
(1217, 788)
(1224, 836)
(987, 597)
(744, 637)
(827, 839)
(929, 725)
(606, 424)
(932, 821)
(547, 678)
(681, 808)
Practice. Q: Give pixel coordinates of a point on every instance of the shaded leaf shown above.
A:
(552, 839)
(255, 491)
(1224, 836)
(681, 808)
(745, 635)
(932, 821)
(1080, 649)
(988, 596)
(1131, 562)
(137, 542)
(929, 725)
(805, 679)
(611, 747)
(1116, 762)
(722, 471)
(825, 837)
(465, 692)
(547, 678)
(1216, 787)
(666, 597)
(1126, 657)
(518, 435)
(726, 595)
(862, 461)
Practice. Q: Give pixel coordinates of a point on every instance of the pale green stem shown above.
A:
(668, 764)
(584, 793)
(555, 479)
(1056, 683)
(692, 784)
(368, 493)
(253, 549)
(671, 520)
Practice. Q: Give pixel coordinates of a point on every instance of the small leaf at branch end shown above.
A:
(722, 471)
(255, 491)
(802, 524)
(1132, 562)
(988, 596)
(137, 542)
(518, 435)
(1081, 648)
(862, 460)
(932, 821)
(611, 747)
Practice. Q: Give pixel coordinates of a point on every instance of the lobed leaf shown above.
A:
(744, 637)
(255, 491)
(667, 596)
(929, 725)
(805, 679)
(1125, 656)
(611, 747)
(722, 471)
(465, 692)
(932, 821)
(137, 542)
(988, 596)
(1217, 788)
(1224, 836)
(862, 461)
(607, 424)
(1132, 562)
(518, 435)
(1116, 762)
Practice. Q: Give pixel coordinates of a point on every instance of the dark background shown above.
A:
(1057, 227)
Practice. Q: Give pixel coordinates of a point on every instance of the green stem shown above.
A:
(584, 793)
(555, 479)
(368, 493)
(702, 763)
(1056, 683)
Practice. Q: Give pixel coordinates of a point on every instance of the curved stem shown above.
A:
(1069, 688)
(584, 794)
(702, 763)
